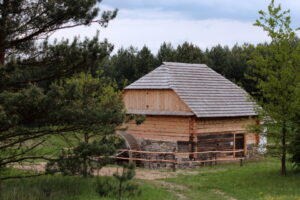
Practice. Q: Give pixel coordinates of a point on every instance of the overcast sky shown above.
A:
(203, 22)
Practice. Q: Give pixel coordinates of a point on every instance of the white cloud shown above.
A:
(152, 33)
(152, 26)
(151, 13)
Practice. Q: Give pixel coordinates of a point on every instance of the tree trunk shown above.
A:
(85, 165)
(0, 188)
(283, 153)
(2, 56)
(85, 168)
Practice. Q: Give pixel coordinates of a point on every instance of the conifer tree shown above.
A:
(37, 98)
(277, 73)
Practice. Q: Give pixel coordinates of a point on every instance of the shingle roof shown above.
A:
(206, 93)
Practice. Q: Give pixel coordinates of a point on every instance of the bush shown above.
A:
(106, 186)
(119, 185)
(109, 187)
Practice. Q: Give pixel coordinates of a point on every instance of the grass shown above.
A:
(255, 180)
(68, 188)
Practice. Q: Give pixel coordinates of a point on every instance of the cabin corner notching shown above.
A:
(190, 108)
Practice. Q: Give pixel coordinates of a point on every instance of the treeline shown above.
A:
(129, 64)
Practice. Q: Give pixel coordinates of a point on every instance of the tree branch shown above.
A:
(18, 177)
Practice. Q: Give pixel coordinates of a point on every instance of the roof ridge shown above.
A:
(182, 64)
(169, 76)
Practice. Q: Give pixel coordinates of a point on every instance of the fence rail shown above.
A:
(178, 153)
(212, 156)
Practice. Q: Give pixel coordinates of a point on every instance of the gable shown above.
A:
(154, 101)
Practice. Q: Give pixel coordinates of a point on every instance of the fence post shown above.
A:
(175, 160)
(215, 154)
(174, 166)
(130, 156)
(241, 162)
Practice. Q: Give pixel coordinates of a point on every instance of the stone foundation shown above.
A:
(157, 146)
(167, 146)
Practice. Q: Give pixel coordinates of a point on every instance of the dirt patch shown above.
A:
(145, 174)
(35, 167)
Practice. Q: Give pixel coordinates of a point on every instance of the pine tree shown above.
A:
(37, 96)
(189, 53)
(121, 66)
(277, 73)
(144, 62)
(166, 53)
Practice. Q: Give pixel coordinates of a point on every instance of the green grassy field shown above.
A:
(255, 180)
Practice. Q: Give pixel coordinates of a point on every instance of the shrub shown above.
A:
(106, 186)
(119, 185)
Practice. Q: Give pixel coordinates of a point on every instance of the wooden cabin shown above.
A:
(188, 108)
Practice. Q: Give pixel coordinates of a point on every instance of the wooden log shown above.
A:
(180, 153)
(145, 160)
(176, 162)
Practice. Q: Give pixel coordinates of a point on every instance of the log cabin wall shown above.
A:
(165, 128)
(225, 134)
(217, 125)
(154, 100)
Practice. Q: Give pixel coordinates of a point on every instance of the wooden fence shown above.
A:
(214, 156)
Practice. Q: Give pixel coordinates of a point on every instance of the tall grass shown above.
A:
(70, 188)
(54, 188)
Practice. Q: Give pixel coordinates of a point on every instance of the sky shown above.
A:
(205, 23)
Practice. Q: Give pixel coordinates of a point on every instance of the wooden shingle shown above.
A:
(205, 92)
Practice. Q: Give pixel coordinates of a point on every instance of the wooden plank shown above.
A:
(161, 128)
(155, 100)
(177, 162)
(177, 153)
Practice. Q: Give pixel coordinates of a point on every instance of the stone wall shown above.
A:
(167, 146)
(157, 146)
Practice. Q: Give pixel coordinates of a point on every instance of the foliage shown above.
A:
(189, 53)
(86, 157)
(110, 187)
(294, 150)
(127, 174)
(129, 64)
(277, 74)
(166, 53)
(36, 99)
(98, 104)
(144, 63)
